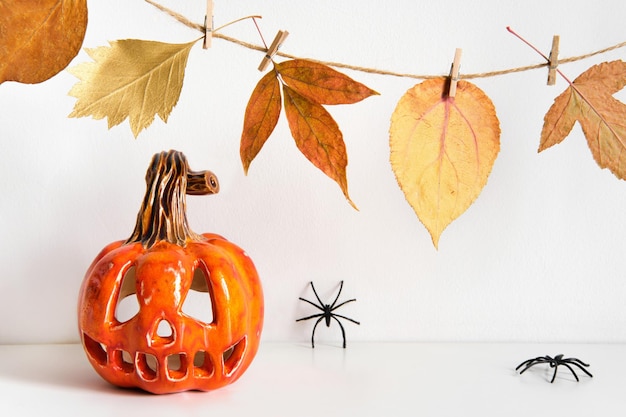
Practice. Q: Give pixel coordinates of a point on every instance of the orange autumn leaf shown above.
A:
(306, 87)
(260, 119)
(589, 100)
(443, 149)
(39, 39)
(321, 83)
(317, 136)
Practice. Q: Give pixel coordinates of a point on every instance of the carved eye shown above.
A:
(198, 302)
(127, 303)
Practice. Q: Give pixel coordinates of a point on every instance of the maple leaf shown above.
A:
(133, 79)
(306, 87)
(39, 39)
(443, 149)
(589, 100)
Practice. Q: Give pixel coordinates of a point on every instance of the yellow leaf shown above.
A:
(589, 100)
(132, 79)
(443, 149)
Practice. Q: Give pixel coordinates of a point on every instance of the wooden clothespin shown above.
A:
(454, 72)
(554, 60)
(276, 44)
(208, 25)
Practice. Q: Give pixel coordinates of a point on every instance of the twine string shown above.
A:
(182, 19)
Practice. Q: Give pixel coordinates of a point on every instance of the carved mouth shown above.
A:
(177, 366)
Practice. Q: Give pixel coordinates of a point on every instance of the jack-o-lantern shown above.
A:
(162, 348)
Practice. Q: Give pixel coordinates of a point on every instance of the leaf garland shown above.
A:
(442, 148)
(306, 86)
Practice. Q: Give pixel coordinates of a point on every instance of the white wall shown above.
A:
(538, 257)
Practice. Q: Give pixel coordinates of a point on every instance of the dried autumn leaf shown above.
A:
(443, 149)
(306, 86)
(321, 83)
(132, 78)
(39, 39)
(589, 100)
(317, 136)
(260, 119)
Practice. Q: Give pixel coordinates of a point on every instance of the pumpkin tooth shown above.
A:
(147, 366)
(203, 366)
(233, 355)
(96, 350)
(123, 360)
(176, 366)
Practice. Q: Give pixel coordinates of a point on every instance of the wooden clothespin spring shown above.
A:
(208, 25)
(276, 44)
(554, 60)
(454, 72)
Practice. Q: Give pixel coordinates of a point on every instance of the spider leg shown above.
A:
(526, 368)
(574, 362)
(538, 359)
(346, 318)
(337, 306)
(311, 317)
(313, 333)
(316, 296)
(343, 332)
(312, 303)
(530, 362)
(556, 367)
(571, 370)
(526, 362)
(332, 306)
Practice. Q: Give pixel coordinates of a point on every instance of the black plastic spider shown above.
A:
(327, 314)
(554, 363)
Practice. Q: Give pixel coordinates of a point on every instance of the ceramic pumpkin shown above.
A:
(161, 348)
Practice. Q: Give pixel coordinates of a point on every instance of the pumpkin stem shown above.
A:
(163, 215)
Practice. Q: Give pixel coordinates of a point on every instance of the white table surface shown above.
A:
(366, 379)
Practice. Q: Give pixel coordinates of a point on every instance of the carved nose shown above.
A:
(162, 333)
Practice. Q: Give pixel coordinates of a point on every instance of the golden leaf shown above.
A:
(589, 100)
(39, 39)
(131, 78)
(318, 137)
(262, 113)
(321, 83)
(443, 149)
